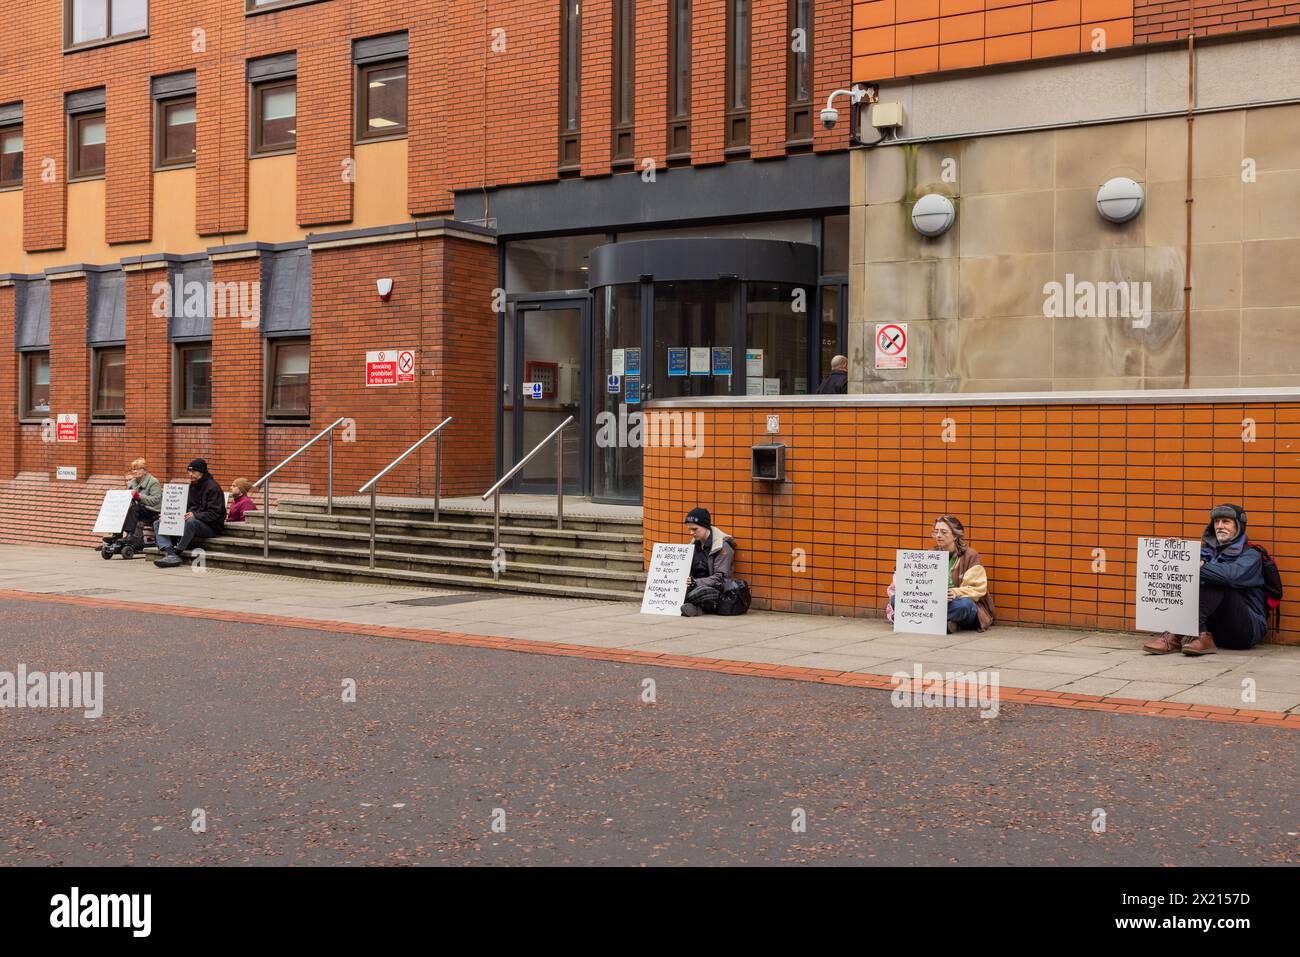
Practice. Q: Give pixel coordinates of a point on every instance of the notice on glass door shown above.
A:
(633, 385)
(722, 360)
(677, 360)
(754, 363)
(632, 361)
(700, 360)
(616, 363)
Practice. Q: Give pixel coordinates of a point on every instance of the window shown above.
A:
(11, 156)
(624, 85)
(275, 116)
(257, 6)
(288, 388)
(738, 32)
(679, 78)
(35, 385)
(108, 383)
(799, 73)
(176, 132)
(93, 21)
(87, 141)
(570, 84)
(194, 380)
(381, 100)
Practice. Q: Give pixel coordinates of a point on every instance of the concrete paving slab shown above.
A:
(1232, 698)
(1148, 690)
(1060, 664)
(1097, 686)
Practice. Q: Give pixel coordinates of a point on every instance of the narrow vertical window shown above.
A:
(624, 84)
(679, 78)
(275, 117)
(381, 93)
(175, 136)
(799, 73)
(11, 157)
(738, 34)
(570, 83)
(87, 146)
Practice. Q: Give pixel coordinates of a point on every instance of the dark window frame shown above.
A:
(69, 46)
(799, 111)
(623, 83)
(292, 416)
(363, 134)
(570, 140)
(161, 107)
(251, 8)
(257, 148)
(75, 122)
(9, 130)
(737, 132)
(99, 413)
(181, 413)
(26, 413)
(679, 122)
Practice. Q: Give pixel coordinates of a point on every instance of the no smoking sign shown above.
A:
(891, 345)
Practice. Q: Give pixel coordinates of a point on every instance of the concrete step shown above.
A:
(628, 542)
(478, 568)
(325, 569)
(329, 538)
(420, 512)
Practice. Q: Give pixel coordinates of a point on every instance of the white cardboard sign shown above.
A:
(921, 592)
(1168, 585)
(665, 582)
(112, 513)
(172, 520)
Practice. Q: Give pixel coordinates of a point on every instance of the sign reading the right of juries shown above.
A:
(665, 582)
(921, 592)
(172, 514)
(1169, 585)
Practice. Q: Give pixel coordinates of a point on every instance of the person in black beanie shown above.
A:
(205, 515)
(712, 563)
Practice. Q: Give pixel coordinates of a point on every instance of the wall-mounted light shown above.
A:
(933, 215)
(1120, 199)
(385, 287)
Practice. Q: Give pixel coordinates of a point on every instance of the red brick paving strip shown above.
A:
(1052, 699)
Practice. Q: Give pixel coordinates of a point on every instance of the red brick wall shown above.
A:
(128, 162)
(708, 80)
(149, 371)
(1038, 487)
(1157, 20)
(651, 135)
(70, 368)
(597, 66)
(237, 381)
(771, 40)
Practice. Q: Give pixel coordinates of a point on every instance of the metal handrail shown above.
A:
(437, 479)
(329, 481)
(495, 492)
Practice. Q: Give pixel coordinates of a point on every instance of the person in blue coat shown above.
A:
(1234, 606)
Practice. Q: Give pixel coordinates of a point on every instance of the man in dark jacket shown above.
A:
(205, 515)
(837, 383)
(712, 563)
(1234, 607)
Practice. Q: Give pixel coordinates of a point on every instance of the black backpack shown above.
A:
(1272, 583)
(735, 598)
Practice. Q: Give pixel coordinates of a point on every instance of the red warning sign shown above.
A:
(65, 428)
(390, 367)
(406, 366)
(891, 345)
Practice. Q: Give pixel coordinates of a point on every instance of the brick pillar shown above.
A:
(597, 64)
(148, 372)
(652, 83)
(128, 194)
(769, 42)
(221, 107)
(70, 367)
(428, 186)
(237, 373)
(45, 175)
(325, 128)
(832, 54)
(8, 387)
(708, 80)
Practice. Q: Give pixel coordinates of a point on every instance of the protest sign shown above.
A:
(921, 592)
(665, 582)
(1169, 585)
(172, 521)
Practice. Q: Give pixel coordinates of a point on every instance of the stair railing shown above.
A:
(265, 481)
(436, 435)
(495, 492)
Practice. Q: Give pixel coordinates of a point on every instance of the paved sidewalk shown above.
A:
(1082, 663)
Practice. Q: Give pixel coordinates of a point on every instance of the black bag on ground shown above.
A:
(735, 598)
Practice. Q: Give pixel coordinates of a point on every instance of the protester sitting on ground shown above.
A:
(1233, 604)
(146, 499)
(205, 515)
(240, 503)
(969, 603)
(712, 563)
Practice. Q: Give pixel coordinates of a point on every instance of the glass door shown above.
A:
(547, 379)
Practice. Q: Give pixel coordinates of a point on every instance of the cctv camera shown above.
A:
(830, 117)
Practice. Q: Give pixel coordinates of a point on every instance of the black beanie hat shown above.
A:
(198, 465)
(699, 516)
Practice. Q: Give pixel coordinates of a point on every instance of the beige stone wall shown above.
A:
(1026, 216)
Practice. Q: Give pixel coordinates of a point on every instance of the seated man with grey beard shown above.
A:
(1234, 607)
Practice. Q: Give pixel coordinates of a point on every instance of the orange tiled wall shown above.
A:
(1040, 487)
(896, 38)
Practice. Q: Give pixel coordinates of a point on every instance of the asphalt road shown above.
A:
(248, 724)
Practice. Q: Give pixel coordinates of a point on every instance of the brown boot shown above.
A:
(1165, 644)
(1202, 644)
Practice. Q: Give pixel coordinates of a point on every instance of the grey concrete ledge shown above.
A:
(931, 399)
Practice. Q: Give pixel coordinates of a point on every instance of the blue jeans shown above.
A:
(963, 611)
(193, 529)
